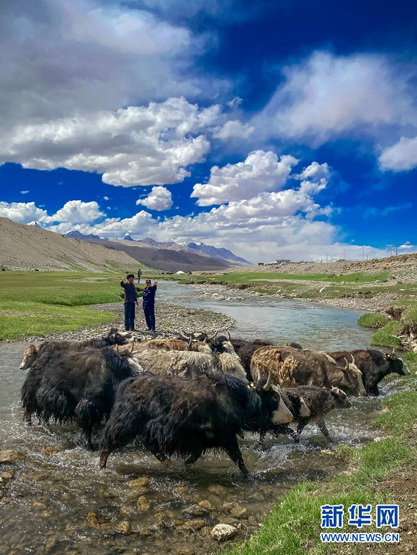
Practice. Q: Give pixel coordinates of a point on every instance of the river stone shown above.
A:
(139, 483)
(50, 450)
(8, 475)
(143, 503)
(195, 510)
(145, 533)
(238, 512)
(193, 525)
(218, 490)
(92, 520)
(256, 497)
(223, 532)
(181, 490)
(135, 493)
(206, 505)
(38, 506)
(11, 457)
(124, 527)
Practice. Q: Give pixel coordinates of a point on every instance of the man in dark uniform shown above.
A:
(131, 299)
(149, 303)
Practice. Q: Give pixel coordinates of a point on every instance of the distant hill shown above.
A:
(223, 254)
(29, 247)
(160, 258)
(78, 235)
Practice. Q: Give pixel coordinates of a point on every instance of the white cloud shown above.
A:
(76, 212)
(137, 226)
(314, 178)
(327, 96)
(62, 58)
(106, 198)
(402, 156)
(407, 246)
(159, 198)
(234, 129)
(261, 171)
(21, 212)
(24, 192)
(138, 145)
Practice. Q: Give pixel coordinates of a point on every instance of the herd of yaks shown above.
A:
(197, 392)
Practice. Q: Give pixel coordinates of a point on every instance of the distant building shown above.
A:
(279, 262)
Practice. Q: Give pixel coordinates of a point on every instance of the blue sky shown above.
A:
(283, 129)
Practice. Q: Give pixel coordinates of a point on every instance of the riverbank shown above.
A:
(170, 320)
(381, 472)
(80, 305)
(376, 287)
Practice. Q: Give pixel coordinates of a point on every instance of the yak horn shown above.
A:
(347, 364)
(184, 336)
(212, 337)
(267, 386)
(228, 335)
(190, 342)
(133, 344)
(393, 351)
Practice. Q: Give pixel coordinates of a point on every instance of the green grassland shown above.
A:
(293, 526)
(39, 303)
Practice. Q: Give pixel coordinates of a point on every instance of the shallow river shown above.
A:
(59, 502)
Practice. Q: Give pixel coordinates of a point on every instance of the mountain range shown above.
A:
(169, 255)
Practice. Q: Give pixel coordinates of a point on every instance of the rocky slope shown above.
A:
(25, 247)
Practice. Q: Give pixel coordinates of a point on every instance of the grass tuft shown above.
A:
(386, 337)
(373, 320)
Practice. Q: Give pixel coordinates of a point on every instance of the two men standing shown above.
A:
(131, 299)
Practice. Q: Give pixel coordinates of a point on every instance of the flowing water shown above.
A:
(55, 500)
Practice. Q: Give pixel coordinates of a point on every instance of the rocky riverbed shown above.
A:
(221, 293)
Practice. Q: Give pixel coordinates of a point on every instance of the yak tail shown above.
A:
(88, 413)
(53, 403)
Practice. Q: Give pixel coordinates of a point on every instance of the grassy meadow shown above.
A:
(39, 303)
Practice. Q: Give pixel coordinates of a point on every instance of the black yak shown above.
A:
(374, 366)
(308, 403)
(32, 352)
(186, 417)
(67, 384)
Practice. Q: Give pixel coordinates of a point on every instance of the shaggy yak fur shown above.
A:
(374, 366)
(245, 349)
(319, 402)
(306, 368)
(155, 344)
(172, 416)
(63, 385)
(32, 352)
(188, 364)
